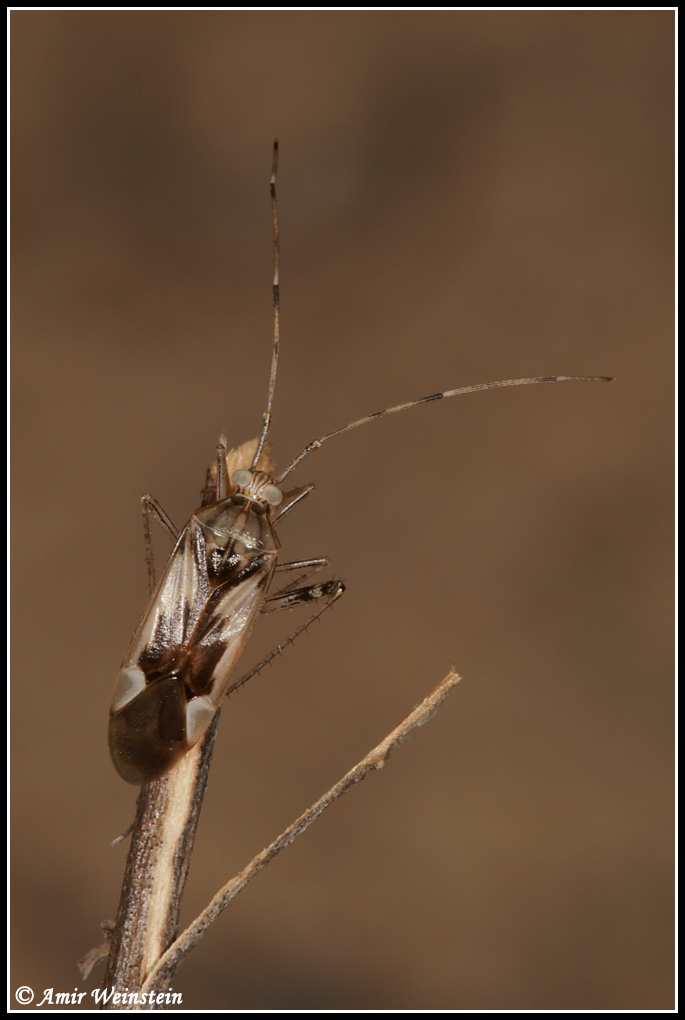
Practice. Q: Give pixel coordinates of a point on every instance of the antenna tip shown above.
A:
(581, 378)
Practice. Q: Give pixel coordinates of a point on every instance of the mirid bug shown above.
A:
(181, 660)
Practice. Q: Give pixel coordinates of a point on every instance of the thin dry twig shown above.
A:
(147, 921)
(162, 972)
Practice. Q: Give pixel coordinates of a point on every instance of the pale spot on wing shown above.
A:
(130, 682)
(199, 714)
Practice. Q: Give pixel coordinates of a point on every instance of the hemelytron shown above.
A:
(181, 661)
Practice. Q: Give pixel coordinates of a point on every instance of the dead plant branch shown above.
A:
(161, 973)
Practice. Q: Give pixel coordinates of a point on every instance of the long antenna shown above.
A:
(475, 388)
(277, 313)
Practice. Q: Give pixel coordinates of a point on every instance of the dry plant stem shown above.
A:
(160, 975)
(161, 844)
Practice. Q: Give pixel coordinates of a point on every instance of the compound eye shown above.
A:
(241, 478)
(272, 494)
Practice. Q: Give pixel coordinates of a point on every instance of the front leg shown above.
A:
(151, 508)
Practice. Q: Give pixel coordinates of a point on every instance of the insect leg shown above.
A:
(151, 508)
(331, 591)
(291, 499)
(316, 564)
(289, 598)
(308, 568)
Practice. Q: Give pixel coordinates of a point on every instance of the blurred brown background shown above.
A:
(464, 196)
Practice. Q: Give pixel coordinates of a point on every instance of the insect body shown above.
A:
(180, 663)
(176, 671)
